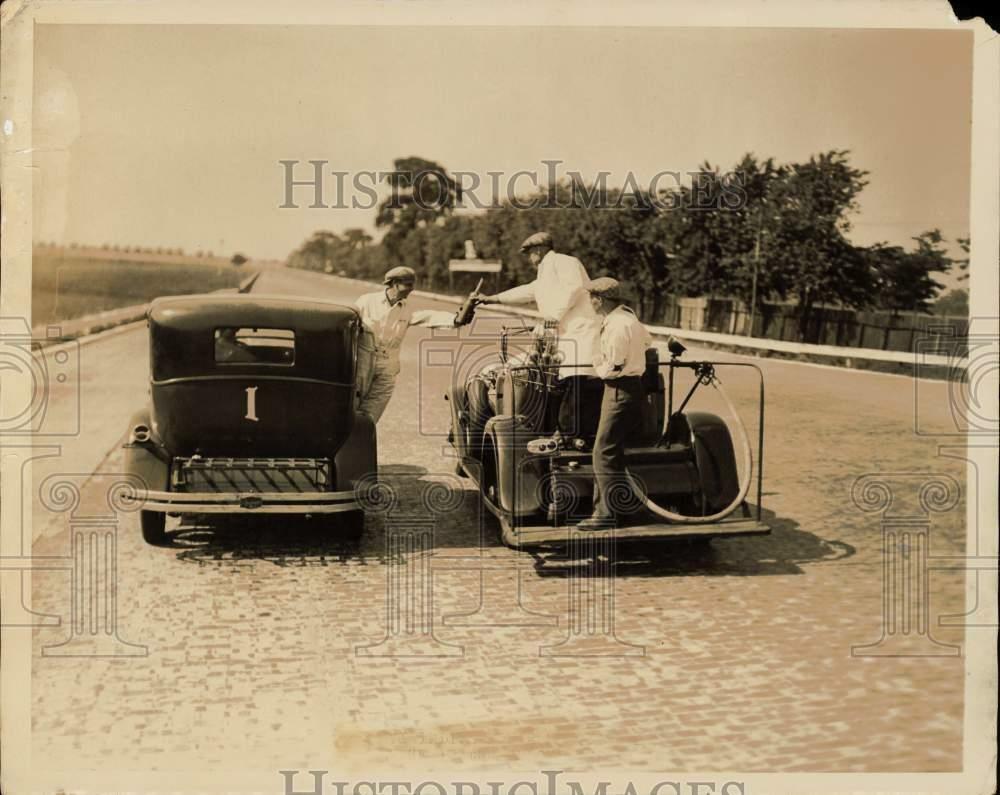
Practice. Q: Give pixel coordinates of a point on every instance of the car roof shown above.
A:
(211, 310)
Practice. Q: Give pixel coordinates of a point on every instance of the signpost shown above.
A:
(473, 264)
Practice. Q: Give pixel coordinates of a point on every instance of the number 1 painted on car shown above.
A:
(252, 404)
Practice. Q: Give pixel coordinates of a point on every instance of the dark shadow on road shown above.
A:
(290, 541)
(448, 513)
(413, 500)
(782, 552)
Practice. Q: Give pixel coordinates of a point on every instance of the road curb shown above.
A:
(88, 328)
(84, 329)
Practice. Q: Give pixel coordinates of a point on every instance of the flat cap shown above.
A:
(400, 272)
(604, 286)
(537, 239)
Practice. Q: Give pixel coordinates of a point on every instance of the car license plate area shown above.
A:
(282, 475)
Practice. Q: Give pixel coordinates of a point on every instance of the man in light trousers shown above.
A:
(620, 361)
(386, 316)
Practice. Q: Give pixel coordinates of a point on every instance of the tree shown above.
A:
(324, 251)
(902, 278)
(710, 230)
(809, 257)
(356, 238)
(963, 264)
(766, 230)
(238, 259)
(421, 192)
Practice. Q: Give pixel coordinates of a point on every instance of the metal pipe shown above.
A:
(756, 265)
(689, 395)
(760, 449)
(678, 518)
(670, 395)
(747, 453)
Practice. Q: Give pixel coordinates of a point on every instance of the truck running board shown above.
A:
(547, 534)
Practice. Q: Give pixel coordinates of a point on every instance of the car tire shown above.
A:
(351, 525)
(153, 525)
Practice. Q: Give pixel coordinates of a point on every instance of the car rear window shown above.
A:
(251, 345)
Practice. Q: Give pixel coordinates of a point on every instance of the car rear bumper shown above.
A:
(248, 502)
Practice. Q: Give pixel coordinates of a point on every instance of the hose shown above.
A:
(677, 518)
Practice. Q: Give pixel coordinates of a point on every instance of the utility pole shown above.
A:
(756, 266)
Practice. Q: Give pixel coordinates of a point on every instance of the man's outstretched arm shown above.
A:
(433, 318)
(522, 294)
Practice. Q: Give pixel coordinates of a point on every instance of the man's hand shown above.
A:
(482, 298)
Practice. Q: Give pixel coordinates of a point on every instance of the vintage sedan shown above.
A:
(251, 411)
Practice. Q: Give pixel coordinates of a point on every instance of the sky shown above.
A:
(171, 135)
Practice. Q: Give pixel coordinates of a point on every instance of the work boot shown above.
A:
(597, 522)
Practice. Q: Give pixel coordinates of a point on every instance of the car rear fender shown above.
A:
(147, 460)
(519, 473)
(358, 456)
(456, 402)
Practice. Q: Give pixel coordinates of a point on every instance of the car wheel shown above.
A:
(153, 525)
(351, 525)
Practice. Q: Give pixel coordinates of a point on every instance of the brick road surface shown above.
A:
(264, 637)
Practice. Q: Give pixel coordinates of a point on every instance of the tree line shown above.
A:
(761, 231)
(236, 259)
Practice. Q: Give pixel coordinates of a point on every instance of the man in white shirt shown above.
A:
(385, 319)
(560, 292)
(620, 361)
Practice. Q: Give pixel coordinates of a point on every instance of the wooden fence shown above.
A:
(825, 325)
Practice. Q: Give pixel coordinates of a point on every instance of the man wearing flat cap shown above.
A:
(559, 291)
(620, 361)
(385, 317)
